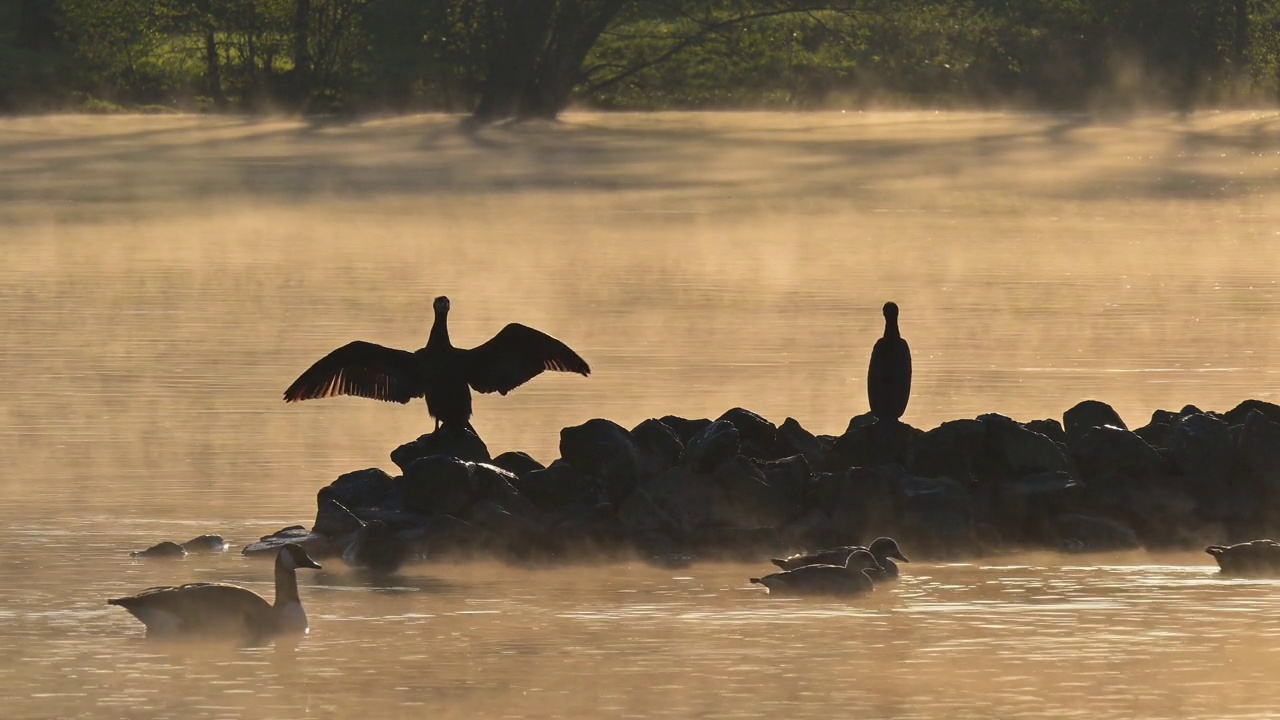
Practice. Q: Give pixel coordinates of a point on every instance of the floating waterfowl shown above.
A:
(1256, 557)
(439, 372)
(851, 578)
(221, 610)
(882, 549)
(889, 375)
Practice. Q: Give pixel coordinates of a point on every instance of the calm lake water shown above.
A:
(165, 278)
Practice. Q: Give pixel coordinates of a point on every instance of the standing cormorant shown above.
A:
(439, 372)
(889, 376)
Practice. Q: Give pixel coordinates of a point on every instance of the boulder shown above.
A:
(868, 444)
(684, 429)
(758, 438)
(643, 519)
(949, 450)
(789, 477)
(711, 446)
(1014, 451)
(509, 531)
(517, 463)
(445, 535)
(1238, 414)
(359, 489)
(749, 500)
(1257, 482)
(604, 449)
(868, 503)
(499, 487)
(662, 443)
(1085, 416)
(938, 518)
(437, 484)
(1201, 449)
(450, 441)
(335, 520)
(206, 543)
(317, 546)
(164, 550)
(690, 499)
(1049, 428)
(1024, 506)
(561, 485)
(1112, 449)
(793, 439)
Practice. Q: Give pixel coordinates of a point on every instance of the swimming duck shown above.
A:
(882, 549)
(217, 609)
(1257, 557)
(850, 578)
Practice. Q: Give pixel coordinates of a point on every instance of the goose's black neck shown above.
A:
(286, 583)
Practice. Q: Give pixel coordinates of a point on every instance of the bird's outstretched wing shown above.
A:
(362, 369)
(516, 355)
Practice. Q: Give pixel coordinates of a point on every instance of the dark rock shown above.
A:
(560, 485)
(499, 486)
(394, 518)
(1112, 449)
(1257, 482)
(789, 476)
(166, 550)
(335, 520)
(714, 444)
(684, 429)
(377, 547)
(749, 499)
(317, 546)
(740, 544)
(206, 543)
(949, 450)
(449, 441)
(445, 535)
(517, 463)
(1158, 508)
(938, 518)
(812, 529)
(795, 440)
(439, 485)
(758, 438)
(579, 529)
(1049, 428)
(1238, 414)
(860, 421)
(1014, 451)
(509, 529)
(1024, 506)
(355, 490)
(1090, 533)
(641, 518)
(1201, 448)
(870, 444)
(1085, 416)
(690, 499)
(663, 444)
(1157, 434)
(869, 503)
(607, 451)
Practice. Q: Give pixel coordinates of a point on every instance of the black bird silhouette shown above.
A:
(440, 372)
(889, 376)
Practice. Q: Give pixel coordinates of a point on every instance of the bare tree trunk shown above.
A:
(1240, 46)
(213, 71)
(302, 49)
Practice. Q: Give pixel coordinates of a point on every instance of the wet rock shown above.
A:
(1112, 449)
(1201, 448)
(949, 450)
(789, 477)
(206, 544)
(793, 439)
(449, 441)
(377, 547)
(1091, 533)
(444, 536)
(662, 443)
(605, 450)
(437, 484)
(317, 546)
(1049, 428)
(938, 518)
(335, 520)
(1025, 505)
(1085, 416)
(517, 463)
(1258, 471)
(1238, 414)
(758, 438)
(359, 489)
(691, 500)
(166, 550)
(684, 429)
(1158, 509)
(509, 529)
(583, 529)
(499, 486)
(560, 485)
(749, 499)
(1159, 432)
(867, 444)
(711, 446)
(644, 521)
(1014, 451)
(868, 503)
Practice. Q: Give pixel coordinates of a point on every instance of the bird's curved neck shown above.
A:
(440, 330)
(286, 584)
(891, 328)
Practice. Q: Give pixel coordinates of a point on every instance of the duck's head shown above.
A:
(292, 556)
(887, 547)
(441, 305)
(861, 560)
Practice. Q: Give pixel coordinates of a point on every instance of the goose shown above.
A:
(889, 375)
(441, 373)
(217, 609)
(851, 578)
(1256, 557)
(882, 549)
